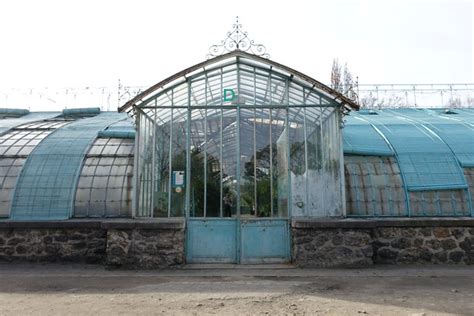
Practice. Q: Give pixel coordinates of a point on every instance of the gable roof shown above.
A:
(201, 67)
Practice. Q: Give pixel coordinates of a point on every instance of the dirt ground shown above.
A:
(235, 290)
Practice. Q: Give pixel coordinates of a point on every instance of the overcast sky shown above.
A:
(93, 43)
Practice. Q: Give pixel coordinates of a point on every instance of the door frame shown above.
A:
(261, 228)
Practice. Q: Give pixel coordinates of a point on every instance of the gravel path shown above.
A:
(232, 290)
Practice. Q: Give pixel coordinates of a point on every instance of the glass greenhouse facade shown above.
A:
(239, 136)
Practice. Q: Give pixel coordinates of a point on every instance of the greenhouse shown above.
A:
(238, 159)
(240, 135)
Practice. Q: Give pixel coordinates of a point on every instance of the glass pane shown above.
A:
(198, 156)
(95, 149)
(102, 170)
(229, 157)
(125, 149)
(161, 167)
(279, 170)
(248, 193)
(263, 162)
(213, 163)
(314, 173)
(178, 162)
(85, 182)
(110, 149)
(299, 185)
(145, 165)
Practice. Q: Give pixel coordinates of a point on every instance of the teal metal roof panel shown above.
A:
(15, 112)
(122, 129)
(426, 161)
(81, 111)
(361, 138)
(451, 128)
(47, 183)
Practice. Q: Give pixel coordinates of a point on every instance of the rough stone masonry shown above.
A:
(359, 243)
(123, 243)
(316, 243)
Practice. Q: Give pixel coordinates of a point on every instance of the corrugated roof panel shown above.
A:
(360, 138)
(451, 128)
(426, 161)
(47, 183)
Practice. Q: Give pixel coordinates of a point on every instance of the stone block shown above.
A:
(356, 238)
(425, 231)
(467, 245)
(388, 232)
(401, 243)
(458, 233)
(418, 242)
(441, 232)
(386, 255)
(441, 257)
(448, 244)
(456, 256)
(433, 244)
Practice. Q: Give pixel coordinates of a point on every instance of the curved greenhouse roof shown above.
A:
(428, 151)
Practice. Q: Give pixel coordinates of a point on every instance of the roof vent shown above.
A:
(13, 112)
(368, 112)
(448, 111)
(81, 112)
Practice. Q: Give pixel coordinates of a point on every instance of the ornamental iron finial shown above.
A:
(237, 39)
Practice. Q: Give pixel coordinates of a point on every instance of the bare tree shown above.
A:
(336, 76)
(343, 82)
(349, 84)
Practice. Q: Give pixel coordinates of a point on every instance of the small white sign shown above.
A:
(178, 178)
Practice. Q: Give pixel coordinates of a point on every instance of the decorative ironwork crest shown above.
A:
(237, 39)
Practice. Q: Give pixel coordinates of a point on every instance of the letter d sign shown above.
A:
(229, 95)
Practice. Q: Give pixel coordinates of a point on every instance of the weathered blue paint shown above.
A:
(233, 240)
(211, 240)
(265, 241)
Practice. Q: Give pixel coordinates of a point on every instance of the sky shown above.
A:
(94, 43)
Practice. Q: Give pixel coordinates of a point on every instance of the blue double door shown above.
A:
(237, 240)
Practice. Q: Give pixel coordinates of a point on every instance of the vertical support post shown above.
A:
(342, 184)
(271, 162)
(288, 148)
(323, 152)
(136, 176)
(238, 139)
(221, 189)
(255, 142)
(153, 162)
(271, 147)
(170, 156)
(188, 153)
(205, 149)
(305, 135)
(238, 222)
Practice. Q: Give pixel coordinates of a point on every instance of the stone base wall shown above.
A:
(145, 248)
(361, 243)
(130, 244)
(316, 243)
(49, 244)
(332, 247)
(424, 245)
